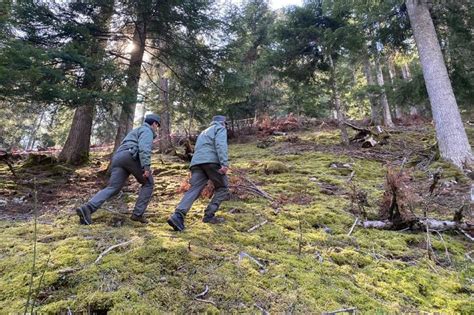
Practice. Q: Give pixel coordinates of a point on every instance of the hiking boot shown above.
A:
(213, 220)
(84, 214)
(139, 218)
(176, 221)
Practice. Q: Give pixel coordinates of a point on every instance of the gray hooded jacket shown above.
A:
(211, 146)
(139, 142)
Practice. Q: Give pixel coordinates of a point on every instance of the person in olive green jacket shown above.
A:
(132, 157)
(210, 162)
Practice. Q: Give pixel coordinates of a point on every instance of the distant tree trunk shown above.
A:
(133, 78)
(374, 108)
(37, 125)
(191, 117)
(165, 134)
(406, 75)
(452, 139)
(77, 147)
(392, 73)
(387, 117)
(337, 102)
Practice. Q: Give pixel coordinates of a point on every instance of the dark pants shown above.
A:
(200, 174)
(122, 166)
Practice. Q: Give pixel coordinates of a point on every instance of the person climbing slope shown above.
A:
(209, 162)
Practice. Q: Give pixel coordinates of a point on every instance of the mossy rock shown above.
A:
(275, 167)
(40, 159)
(61, 170)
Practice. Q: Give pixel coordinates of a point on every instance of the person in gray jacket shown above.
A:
(209, 162)
(132, 157)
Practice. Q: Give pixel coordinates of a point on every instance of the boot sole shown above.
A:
(174, 226)
(82, 217)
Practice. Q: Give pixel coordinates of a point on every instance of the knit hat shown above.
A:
(218, 118)
(151, 118)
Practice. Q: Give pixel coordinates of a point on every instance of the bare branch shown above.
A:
(110, 249)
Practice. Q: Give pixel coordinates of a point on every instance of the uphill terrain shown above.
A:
(291, 250)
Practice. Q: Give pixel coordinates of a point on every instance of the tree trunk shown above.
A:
(337, 103)
(165, 136)
(77, 147)
(374, 108)
(133, 78)
(406, 75)
(32, 139)
(387, 117)
(392, 73)
(452, 139)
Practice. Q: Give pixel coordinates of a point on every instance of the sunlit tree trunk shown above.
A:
(165, 134)
(77, 146)
(127, 114)
(387, 117)
(452, 139)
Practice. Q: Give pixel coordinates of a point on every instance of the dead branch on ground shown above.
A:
(105, 252)
(351, 310)
(253, 228)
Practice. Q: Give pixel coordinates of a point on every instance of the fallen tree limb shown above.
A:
(252, 186)
(264, 311)
(110, 249)
(203, 293)
(351, 310)
(205, 301)
(468, 256)
(242, 255)
(421, 224)
(467, 235)
(253, 228)
(253, 190)
(353, 226)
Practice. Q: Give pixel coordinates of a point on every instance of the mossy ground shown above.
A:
(307, 268)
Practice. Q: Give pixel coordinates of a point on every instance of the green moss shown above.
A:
(275, 167)
(307, 267)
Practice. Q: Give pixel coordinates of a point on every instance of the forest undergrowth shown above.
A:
(295, 249)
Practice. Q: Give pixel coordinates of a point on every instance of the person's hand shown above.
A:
(223, 170)
(146, 174)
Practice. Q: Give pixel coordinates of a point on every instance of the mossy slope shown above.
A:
(310, 265)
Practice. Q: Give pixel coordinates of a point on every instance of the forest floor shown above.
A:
(300, 259)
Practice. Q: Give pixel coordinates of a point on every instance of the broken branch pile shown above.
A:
(369, 137)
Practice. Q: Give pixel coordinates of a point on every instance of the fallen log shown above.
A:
(421, 225)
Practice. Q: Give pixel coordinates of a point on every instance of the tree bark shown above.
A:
(77, 147)
(374, 108)
(392, 73)
(165, 135)
(32, 139)
(133, 78)
(387, 117)
(406, 75)
(452, 139)
(337, 102)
